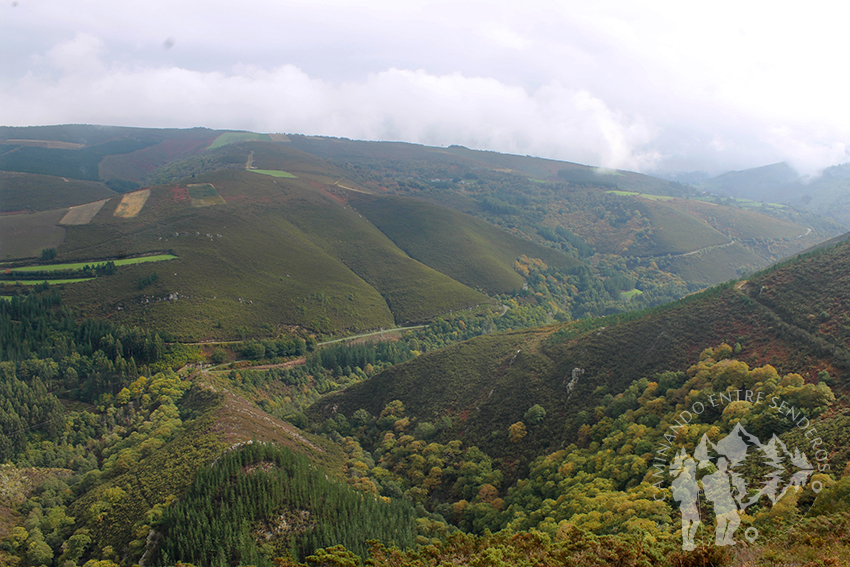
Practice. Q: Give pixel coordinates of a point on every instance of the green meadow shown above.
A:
(54, 282)
(630, 294)
(235, 137)
(274, 173)
(644, 195)
(81, 265)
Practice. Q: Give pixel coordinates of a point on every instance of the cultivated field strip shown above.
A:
(131, 204)
(82, 214)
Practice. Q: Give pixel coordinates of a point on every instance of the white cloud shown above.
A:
(80, 56)
(396, 104)
(639, 84)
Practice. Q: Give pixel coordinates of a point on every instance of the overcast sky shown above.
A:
(629, 84)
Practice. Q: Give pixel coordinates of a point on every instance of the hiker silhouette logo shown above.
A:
(723, 478)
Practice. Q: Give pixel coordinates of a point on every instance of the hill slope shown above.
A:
(489, 382)
(272, 246)
(825, 194)
(471, 251)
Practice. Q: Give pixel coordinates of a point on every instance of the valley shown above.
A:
(230, 348)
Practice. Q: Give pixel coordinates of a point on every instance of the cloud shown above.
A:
(80, 56)
(806, 151)
(397, 104)
(665, 85)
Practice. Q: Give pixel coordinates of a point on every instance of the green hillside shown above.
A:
(30, 192)
(276, 252)
(490, 382)
(673, 231)
(581, 210)
(825, 194)
(470, 251)
(760, 183)
(559, 426)
(550, 433)
(810, 292)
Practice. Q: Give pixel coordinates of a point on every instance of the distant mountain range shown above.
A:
(827, 194)
(340, 235)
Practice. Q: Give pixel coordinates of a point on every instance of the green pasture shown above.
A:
(53, 282)
(636, 194)
(204, 195)
(81, 265)
(235, 137)
(630, 294)
(274, 173)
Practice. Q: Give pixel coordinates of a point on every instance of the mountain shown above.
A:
(503, 428)
(768, 183)
(825, 193)
(646, 240)
(775, 318)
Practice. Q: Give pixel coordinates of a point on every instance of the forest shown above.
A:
(114, 458)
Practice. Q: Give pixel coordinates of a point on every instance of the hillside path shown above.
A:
(372, 334)
(706, 249)
(349, 338)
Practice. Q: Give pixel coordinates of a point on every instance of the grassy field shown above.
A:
(273, 173)
(131, 204)
(82, 214)
(51, 282)
(94, 263)
(642, 195)
(630, 294)
(235, 137)
(204, 195)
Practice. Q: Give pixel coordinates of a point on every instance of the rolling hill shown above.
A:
(389, 227)
(122, 446)
(275, 251)
(787, 317)
(825, 194)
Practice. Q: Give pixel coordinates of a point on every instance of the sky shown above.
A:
(633, 84)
